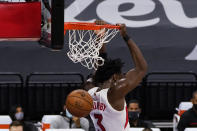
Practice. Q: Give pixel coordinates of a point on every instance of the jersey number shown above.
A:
(100, 118)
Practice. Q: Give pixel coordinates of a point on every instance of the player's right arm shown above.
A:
(89, 84)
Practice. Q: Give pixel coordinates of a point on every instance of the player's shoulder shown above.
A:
(187, 113)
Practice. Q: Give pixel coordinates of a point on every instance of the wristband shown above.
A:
(126, 38)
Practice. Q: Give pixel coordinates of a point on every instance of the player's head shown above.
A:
(110, 69)
(16, 126)
(194, 100)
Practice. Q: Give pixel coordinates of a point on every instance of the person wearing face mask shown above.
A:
(189, 118)
(17, 114)
(65, 121)
(134, 111)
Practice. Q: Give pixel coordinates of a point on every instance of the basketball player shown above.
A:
(110, 112)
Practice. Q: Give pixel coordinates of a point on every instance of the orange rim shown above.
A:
(87, 26)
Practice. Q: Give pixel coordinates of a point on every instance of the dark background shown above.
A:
(164, 45)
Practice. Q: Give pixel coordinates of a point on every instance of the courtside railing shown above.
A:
(11, 91)
(46, 92)
(161, 92)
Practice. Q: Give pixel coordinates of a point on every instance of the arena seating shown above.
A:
(5, 122)
(190, 129)
(46, 121)
(11, 91)
(49, 91)
(183, 106)
(45, 93)
(161, 92)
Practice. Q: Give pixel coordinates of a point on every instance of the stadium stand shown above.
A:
(11, 91)
(183, 106)
(161, 92)
(44, 93)
(4, 121)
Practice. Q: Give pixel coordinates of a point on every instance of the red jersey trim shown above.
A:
(195, 123)
(127, 118)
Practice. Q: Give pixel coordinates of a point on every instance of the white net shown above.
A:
(84, 46)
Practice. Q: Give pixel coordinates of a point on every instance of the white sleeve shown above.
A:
(84, 123)
(54, 123)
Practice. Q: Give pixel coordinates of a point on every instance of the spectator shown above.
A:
(17, 113)
(65, 121)
(134, 111)
(189, 118)
(47, 5)
(91, 125)
(16, 126)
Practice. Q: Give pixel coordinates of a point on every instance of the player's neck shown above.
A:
(104, 85)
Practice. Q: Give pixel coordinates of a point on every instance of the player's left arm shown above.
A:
(134, 76)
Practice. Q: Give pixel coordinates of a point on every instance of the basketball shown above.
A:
(79, 103)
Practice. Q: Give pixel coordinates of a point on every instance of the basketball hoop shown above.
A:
(84, 43)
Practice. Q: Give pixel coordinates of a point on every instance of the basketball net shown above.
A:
(84, 46)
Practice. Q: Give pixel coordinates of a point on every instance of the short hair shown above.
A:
(134, 101)
(16, 123)
(106, 71)
(194, 93)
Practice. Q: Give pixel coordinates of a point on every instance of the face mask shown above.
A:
(68, 114)
(133, 115)
(195, 106)
(19, 115)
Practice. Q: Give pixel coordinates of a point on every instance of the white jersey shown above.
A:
(104, 116)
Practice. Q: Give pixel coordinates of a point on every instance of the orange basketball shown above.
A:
(79, 103)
